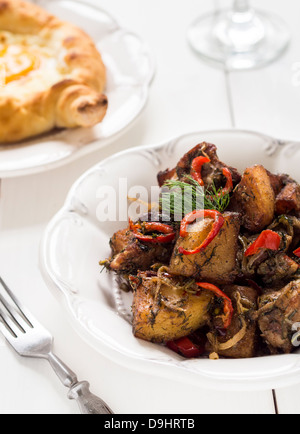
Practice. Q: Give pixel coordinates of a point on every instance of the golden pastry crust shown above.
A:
(64, 85)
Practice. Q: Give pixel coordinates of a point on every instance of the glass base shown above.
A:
(239, 41)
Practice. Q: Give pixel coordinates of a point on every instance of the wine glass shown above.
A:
(239, 38)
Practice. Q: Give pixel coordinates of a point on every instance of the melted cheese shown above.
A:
(17, 62)
(29, 64)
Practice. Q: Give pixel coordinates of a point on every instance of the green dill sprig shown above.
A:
(216, 199)
(178, 198)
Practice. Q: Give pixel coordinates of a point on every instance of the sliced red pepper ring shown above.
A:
(297, 252)
(185, 347)
(228, 308)
(267, 239)
(196, 167)
(167, 231)
(229, 183)
(190, 218)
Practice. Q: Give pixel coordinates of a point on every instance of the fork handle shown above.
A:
(88, 403)
(64, 373)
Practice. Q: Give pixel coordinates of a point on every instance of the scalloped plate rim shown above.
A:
(182, 372)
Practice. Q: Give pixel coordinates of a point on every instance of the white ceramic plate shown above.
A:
(76, 240)
(129, 74)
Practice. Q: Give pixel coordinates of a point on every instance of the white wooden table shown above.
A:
(186, 95)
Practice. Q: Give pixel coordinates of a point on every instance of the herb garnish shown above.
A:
(178, 198)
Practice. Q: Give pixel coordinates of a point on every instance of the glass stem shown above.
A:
(241, 6)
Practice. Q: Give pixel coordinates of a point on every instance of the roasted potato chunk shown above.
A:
(217, 263)
(163, 312)
(254, 198)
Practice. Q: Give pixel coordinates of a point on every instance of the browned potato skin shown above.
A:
(217, 263)
(254, 197)
(155, 320)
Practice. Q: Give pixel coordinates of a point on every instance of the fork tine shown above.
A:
(4, 323)
(8, 327)
(15, 316)
(25, 314)
(9, 330)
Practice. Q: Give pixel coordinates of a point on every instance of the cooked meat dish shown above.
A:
(218, 278)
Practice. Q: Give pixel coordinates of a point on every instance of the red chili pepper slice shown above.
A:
(229, 183)
(196, 167)
(190, 218)
(197, 164)
(185, 347)
(168, 231)
(267, 239)
(297, 252)
(228, 308)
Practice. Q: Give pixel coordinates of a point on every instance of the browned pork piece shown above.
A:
(130, 255)
(277, 270)
(211, 172)
(288, 227)
(278, 181)
(278, 311)
(273, 269)
(240, 339)
(288, 200)
(163, 310)
(254, 198)
(218, 262)
(287, 193)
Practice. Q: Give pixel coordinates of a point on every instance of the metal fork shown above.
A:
(31, 339)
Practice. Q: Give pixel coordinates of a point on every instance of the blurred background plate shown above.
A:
(129, 73)
(76, 240)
